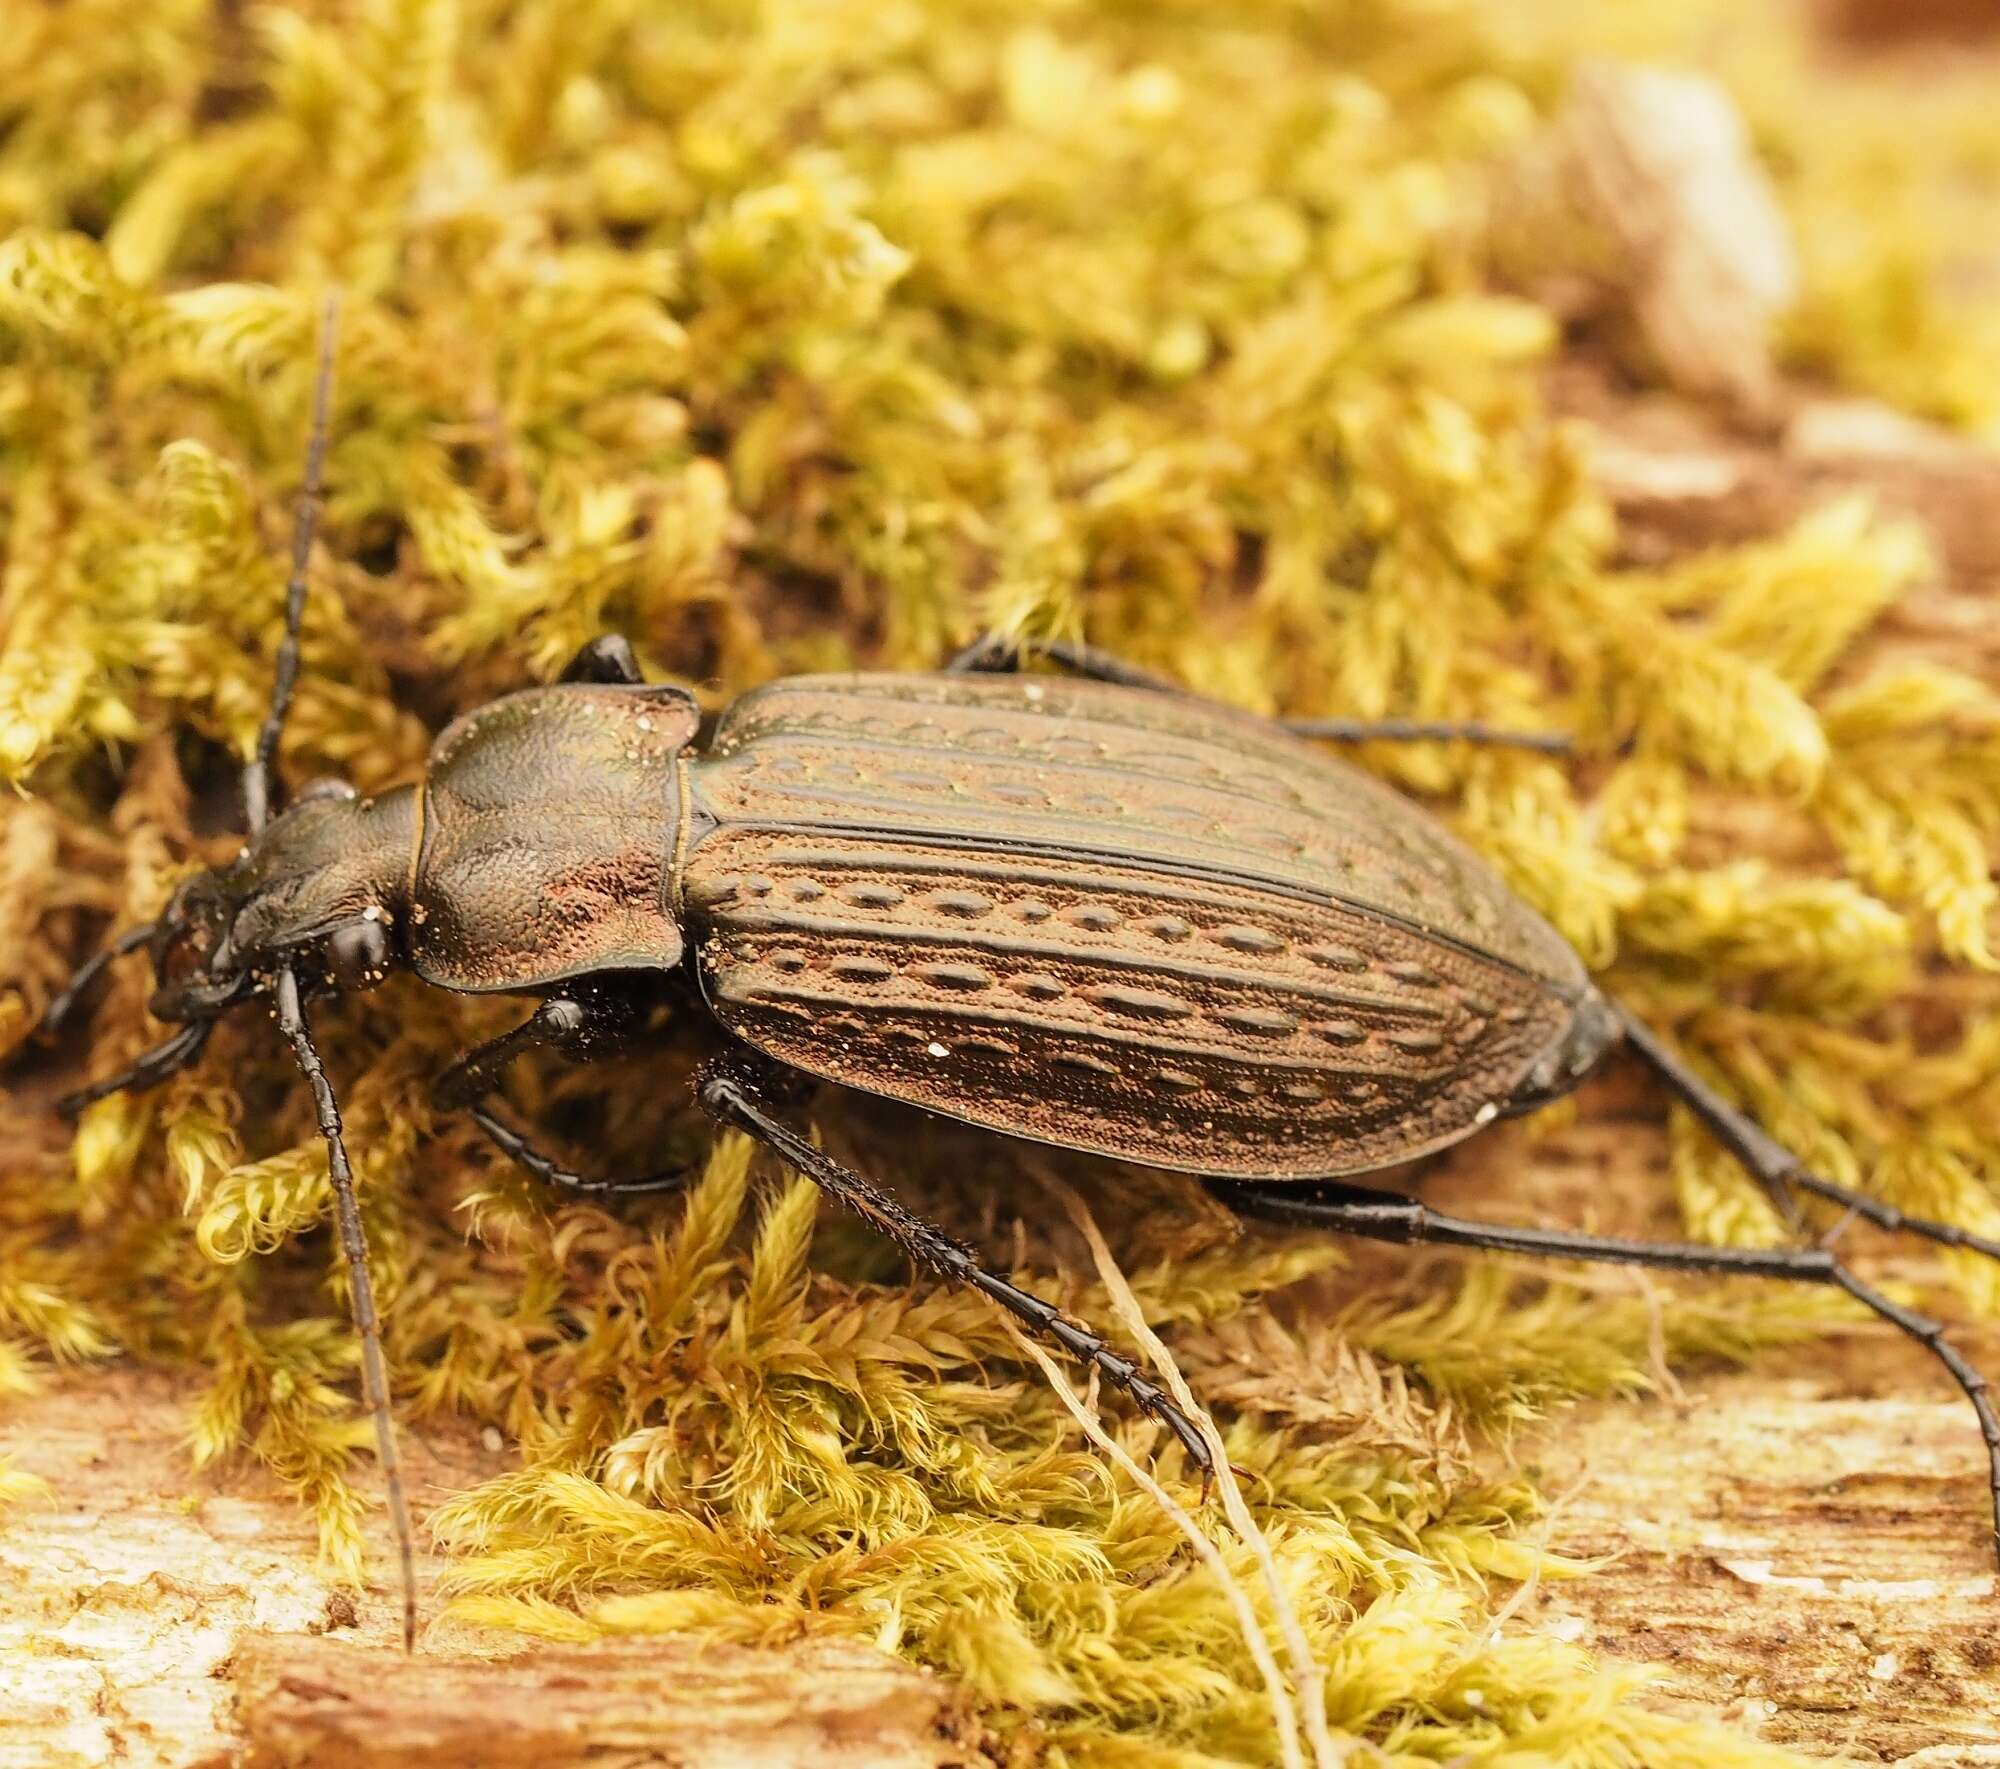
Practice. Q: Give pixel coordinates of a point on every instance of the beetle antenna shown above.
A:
(305, 520)
(256, 771)
(291, 1008)
(360, 1287)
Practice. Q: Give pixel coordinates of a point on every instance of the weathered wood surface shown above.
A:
(1803, 1552)
(153, 1617)
(1804, 1547)
(325, 1704)
(1801, 1547)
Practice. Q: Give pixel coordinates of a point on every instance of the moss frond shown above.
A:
(820, 337)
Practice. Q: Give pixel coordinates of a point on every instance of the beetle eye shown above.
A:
(356, 956)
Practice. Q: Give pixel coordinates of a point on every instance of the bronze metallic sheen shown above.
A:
(1113, 921)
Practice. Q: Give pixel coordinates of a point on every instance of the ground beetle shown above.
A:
(1089, 910)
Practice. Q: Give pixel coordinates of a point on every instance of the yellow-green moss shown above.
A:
(786, 336)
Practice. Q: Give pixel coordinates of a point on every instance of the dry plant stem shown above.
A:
(1283, 1712)
(1307, 1675)
(1524, 1592)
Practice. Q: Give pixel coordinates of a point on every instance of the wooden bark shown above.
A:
(152, 1617)
(1641, 211)
(1804, 1547)
(1804, 1552)
(322, 1704)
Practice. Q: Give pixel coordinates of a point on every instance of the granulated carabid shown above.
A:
(1087, 909)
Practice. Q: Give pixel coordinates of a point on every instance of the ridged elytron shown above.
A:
(1086, 909)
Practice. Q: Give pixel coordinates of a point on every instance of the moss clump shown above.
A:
(789, 337)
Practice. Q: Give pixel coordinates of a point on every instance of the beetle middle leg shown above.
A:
(1387, 1216)
(586, 1025)
(607, 658)
(993, 655)
(728, 1092)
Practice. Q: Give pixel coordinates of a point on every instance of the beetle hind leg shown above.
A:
(1769, 1162)
(729, 1094)
(993, 655)
(1387, 1216)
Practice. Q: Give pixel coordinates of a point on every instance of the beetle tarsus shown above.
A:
(525, 1155)
(1548, 743)
(1888, 1217)
(1383, 1216)
(728, 1093)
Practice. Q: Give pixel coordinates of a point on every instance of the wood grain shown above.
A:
(325, 1704)
(1804, 1547)
(155, 1619)
(1804, 1551)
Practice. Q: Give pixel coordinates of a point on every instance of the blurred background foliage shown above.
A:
(791, 336)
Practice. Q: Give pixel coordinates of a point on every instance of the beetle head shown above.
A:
(321, 888)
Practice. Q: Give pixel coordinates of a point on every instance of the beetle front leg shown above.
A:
(728, 1093)
(148, 1069)
(584, 1028)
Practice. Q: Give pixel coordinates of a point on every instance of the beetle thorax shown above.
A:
(548, 829)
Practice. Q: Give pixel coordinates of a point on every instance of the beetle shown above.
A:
(1086, 909)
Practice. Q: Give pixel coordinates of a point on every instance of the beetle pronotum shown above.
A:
(1089, 910)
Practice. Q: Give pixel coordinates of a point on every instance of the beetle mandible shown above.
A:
(1085, 909)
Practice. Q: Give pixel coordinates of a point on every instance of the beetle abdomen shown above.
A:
(1043, 912)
